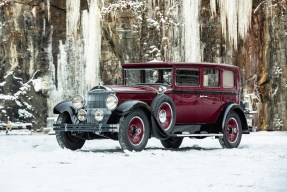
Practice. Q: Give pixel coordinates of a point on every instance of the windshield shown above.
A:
(148, 76)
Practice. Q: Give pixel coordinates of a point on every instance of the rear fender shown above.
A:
(229, 107)
(65, 107)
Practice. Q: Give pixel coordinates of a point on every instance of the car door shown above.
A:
(211, 95)
(186, 95)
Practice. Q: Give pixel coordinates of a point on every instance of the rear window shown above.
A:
(228, 79)
(187, 77)
(211, 78)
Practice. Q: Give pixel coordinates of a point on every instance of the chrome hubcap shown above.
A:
(162, 116)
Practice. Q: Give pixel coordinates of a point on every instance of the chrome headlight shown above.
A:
(78, 102)
(82, 115)
(99, 115)
(111, 102)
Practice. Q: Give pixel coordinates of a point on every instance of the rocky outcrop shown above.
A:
(50, 50)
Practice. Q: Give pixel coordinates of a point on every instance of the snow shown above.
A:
(24, 113)
(7, 97)
(133, 6)
(36, 163)
(37, 84)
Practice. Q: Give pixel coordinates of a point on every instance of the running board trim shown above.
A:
(199, 135)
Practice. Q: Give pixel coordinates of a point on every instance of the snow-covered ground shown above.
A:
(36, 163)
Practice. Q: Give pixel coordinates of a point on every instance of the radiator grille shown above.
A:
(97, 98)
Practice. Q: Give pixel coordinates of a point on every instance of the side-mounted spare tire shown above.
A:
(65, 138)
(163, 110)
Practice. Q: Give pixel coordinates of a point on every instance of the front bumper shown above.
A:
(87, 127)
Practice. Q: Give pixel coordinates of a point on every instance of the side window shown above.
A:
(228, 79)
(133, 77)
(158, 76)
(151, 75)
(211, 78)
(167, 76)
(187, 77)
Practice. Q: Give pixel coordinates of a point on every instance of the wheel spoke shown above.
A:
(136, 130)
(232, 130)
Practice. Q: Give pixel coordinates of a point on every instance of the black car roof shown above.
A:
(174, 64)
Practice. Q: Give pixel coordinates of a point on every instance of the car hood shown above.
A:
(135, 89)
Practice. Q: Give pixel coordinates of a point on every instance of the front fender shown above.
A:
(64, 106)
(124, 108)
(233, 107)
(128, 106)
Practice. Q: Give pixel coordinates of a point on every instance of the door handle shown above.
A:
(202, 96)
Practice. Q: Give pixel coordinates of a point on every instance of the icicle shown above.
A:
(244, 17)
(44, 27)
(61, 71)
(48, 10)
(1, 28)
(73, 15)
(231, 15)
(92, 43)
(213, 7)
(191, 30)
(54, 96)
(78, 58)
(235, 17)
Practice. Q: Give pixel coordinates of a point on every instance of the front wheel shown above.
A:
(172, 142)
(232, 131)
(134, 131)
(66, 139)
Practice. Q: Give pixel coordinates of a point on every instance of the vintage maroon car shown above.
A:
(168, 101)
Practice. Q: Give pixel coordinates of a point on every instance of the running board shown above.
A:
(199, 135)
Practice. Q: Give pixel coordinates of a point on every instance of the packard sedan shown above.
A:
(168, 101)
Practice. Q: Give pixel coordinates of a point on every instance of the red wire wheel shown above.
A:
(232, 131)
(136, 130)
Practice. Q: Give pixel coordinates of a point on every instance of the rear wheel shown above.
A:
(232, 131)
(172, 142)
(134, 131)
(66, 139)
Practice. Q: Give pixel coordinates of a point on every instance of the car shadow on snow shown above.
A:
(113, 150)
(194, 147)
(150, 149)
